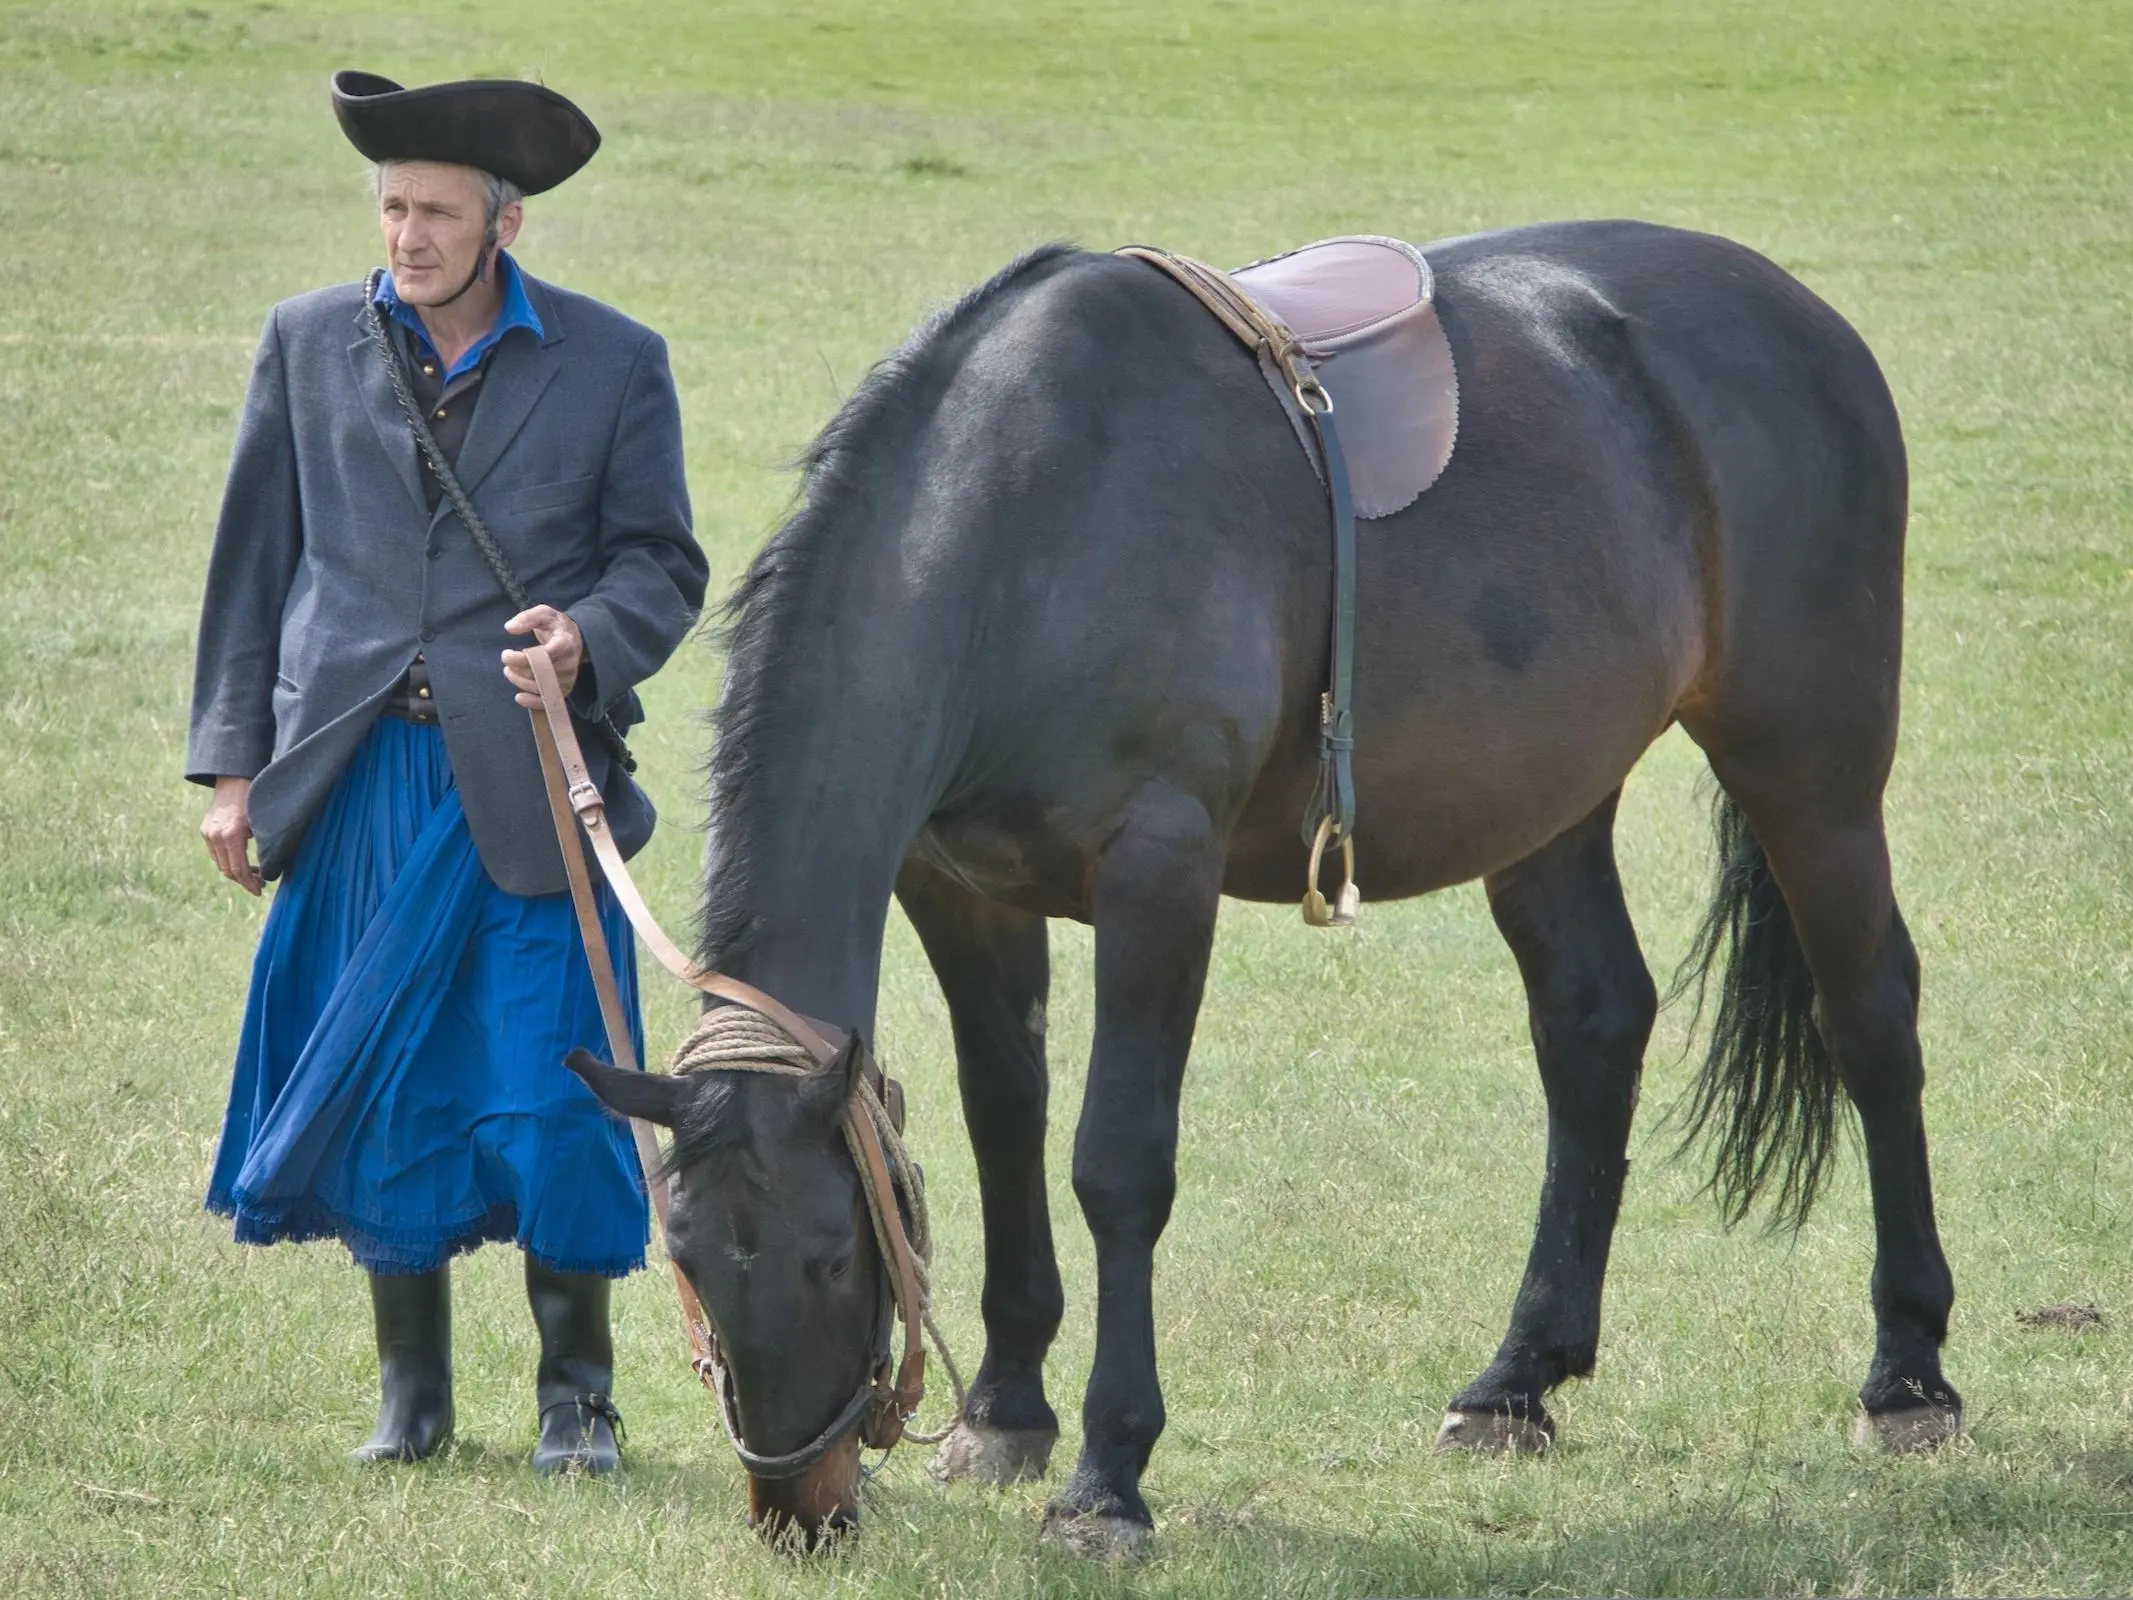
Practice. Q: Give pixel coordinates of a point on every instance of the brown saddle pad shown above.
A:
(1363, 307)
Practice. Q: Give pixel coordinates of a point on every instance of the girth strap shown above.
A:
(1335, 794)
(1330, 818)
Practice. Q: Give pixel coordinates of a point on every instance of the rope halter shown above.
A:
(734, 1039)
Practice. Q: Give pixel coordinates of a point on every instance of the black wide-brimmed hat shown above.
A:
(525, 133)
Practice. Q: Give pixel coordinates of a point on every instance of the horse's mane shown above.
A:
(899, 390)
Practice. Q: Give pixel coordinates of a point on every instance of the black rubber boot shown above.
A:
(413, 1312)
(578, 1420)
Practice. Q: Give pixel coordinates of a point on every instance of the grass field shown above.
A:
(783, 192)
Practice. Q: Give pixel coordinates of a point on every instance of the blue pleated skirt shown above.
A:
(399, 1082)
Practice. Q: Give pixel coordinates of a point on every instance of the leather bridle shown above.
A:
(878, 1409)
(885, 1403)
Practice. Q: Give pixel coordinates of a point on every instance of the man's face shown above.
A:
(434, 217)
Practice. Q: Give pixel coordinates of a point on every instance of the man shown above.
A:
(357, 710)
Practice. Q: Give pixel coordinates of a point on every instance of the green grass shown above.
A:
(784, 190)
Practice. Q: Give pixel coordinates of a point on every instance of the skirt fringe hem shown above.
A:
(408, 1250)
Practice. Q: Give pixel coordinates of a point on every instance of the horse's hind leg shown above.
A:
(1590, 1004)
(1828, 854)
(994, 969)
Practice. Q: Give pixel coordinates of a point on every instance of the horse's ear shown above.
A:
(825, 1094)
(649, 1096)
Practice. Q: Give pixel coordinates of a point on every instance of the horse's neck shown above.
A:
(797, 903)
(829, 762)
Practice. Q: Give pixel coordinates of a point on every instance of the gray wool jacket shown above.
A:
(329, 572)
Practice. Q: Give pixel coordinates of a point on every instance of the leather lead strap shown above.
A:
(910, 1387)
(574, 802)
(580, 796)
(613, 1014)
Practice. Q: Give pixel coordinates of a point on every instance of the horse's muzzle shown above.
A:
(820, 1505)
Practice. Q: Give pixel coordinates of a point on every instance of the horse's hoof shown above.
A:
(990, 1455)
(1909, 1431)
(1495, 1433)
(1094, 1534)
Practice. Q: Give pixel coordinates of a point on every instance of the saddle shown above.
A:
(1346, 334)
(1361, 309)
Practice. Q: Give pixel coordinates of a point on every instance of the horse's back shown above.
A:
(1657, 431)
(1770, 388)
(1786, 437)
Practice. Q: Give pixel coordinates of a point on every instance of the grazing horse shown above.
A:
(1045, 637)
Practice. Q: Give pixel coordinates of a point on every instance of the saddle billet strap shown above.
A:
(1335, 795)
(1212, 285)
(1267, 336)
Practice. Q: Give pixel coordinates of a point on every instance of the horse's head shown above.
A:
(770, 1226)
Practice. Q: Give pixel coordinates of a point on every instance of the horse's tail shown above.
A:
(1767, 1094)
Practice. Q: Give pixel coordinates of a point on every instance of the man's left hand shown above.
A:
(553, 630)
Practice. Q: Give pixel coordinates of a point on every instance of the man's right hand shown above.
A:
(227, 828)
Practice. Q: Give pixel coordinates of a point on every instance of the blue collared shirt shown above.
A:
(517, 312)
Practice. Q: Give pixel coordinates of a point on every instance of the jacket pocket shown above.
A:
(563, 492)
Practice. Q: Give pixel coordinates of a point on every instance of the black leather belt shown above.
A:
(410, 700)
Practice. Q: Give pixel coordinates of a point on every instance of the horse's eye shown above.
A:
(838, 1267)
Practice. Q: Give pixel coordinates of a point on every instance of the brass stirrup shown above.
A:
(1342, 913)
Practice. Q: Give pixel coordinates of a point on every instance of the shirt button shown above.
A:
(429, 372)
(424, 691)
(428, 634)
(440, 413)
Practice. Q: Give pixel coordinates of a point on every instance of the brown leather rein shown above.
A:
(884, 1405)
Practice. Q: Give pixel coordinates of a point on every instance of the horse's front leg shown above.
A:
(1153, 899)
(994, 970)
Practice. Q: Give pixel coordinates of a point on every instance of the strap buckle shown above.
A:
(585, 796)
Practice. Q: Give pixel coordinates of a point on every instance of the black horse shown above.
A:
(1046, 638)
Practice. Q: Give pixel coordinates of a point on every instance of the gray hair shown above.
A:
(497, 194)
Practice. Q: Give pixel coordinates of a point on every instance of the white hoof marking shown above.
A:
(1110, 1538)
(1496, 1433)
(993, 1455)
(1909, 1431)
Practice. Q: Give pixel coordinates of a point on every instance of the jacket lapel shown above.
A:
(519, 371)
(385, 413)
